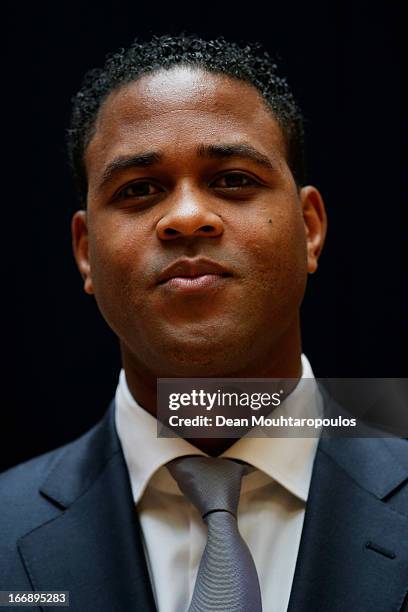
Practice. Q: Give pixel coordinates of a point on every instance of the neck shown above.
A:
(283, 362)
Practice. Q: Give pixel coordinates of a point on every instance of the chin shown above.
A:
(196, 351)
(203, 360)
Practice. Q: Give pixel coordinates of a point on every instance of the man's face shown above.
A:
(195, 242)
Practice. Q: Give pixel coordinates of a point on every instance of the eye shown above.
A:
(233, 180)
(139, 189)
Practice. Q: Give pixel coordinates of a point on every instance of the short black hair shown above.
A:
(248, 62)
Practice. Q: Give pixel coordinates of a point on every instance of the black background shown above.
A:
(343, 61)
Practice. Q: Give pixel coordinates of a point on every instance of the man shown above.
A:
(196, 237)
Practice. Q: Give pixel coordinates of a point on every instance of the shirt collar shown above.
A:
(144, 452)
(287, 460)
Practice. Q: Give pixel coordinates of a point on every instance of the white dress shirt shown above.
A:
(271, 507)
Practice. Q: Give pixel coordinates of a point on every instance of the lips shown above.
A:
(197, 273)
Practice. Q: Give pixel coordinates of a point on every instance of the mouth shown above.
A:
(192, 275)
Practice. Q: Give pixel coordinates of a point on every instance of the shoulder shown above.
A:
(373, 458)
(36, 496)
(19, 483)
(23, 509)
(378, 465)
(23, 499)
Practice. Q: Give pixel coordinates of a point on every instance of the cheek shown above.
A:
(275, 252)
(276, 241)
(117, 261)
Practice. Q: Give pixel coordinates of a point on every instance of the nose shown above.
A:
(189, 215)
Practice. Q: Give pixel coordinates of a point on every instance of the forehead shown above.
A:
(175, 110)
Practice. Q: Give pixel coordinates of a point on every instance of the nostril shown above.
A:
(207, 228)
(169, 231)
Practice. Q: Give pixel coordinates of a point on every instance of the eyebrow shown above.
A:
(139, 160)
(216, 151)
(244, 150)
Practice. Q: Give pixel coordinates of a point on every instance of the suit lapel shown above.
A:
(93, 548)
(353, 553)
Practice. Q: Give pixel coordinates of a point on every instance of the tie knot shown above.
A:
(209, 483)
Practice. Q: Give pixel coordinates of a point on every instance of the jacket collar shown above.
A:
(90, 484)
(353, 553)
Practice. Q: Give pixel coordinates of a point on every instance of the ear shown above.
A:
(315, 220)
(80, 246)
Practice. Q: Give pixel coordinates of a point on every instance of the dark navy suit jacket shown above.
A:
(67, 522)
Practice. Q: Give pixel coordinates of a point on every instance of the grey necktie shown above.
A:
(227, 580)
